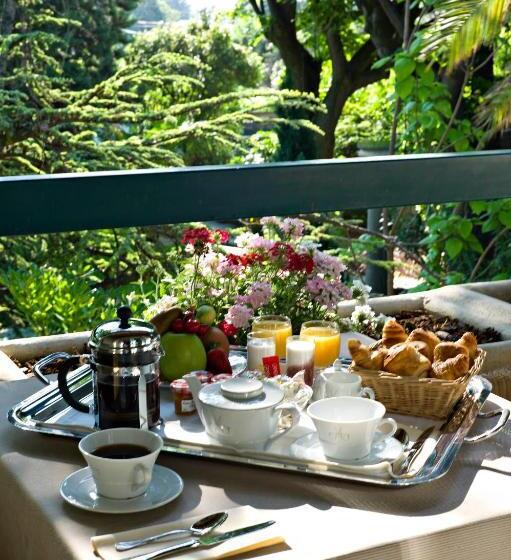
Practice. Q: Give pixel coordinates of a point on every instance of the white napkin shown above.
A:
(104, 545)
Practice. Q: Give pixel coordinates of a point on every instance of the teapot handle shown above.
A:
(295, 418)
(70, 362)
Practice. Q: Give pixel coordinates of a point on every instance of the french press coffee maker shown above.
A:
(124, 359)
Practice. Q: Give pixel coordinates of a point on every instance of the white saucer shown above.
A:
(309, 447)
(79, 490)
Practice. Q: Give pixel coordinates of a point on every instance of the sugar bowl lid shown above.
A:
(124, 335)
(241, 393)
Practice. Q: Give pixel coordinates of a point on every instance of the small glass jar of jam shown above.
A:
(183, 398)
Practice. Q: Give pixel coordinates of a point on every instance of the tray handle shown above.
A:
(502, 413)
(45, 362)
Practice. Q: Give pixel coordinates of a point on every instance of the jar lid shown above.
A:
(180, 387)
(124, 335)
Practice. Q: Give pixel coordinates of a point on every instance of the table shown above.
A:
(466, 515)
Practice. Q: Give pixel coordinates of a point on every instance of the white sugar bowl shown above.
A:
(338, 381)
(242, 412)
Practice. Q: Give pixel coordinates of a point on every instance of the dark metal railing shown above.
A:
(50, 203)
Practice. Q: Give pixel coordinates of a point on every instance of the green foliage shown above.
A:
(162, 10)
(97, 270)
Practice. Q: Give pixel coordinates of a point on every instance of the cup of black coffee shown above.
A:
(121, 460)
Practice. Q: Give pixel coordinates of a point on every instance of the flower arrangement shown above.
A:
(276, 271)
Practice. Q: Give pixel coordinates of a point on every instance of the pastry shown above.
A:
(452, 368)
(422, 347)
(393, 333)
(360, 353)
(404, 359)
(429, 337)
(469, 341)
(378, 357)
(446, 350)
(363, 356)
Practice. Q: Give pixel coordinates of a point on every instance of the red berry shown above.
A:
(203, 329)
(188, 316)
(177, 326)
(218, 361)
(192, 327)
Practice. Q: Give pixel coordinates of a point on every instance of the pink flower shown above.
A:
(293, 227)
(239, 315)
(228, 266)
(271, 221)
(327, 264)
(259, 295)
(327, 292)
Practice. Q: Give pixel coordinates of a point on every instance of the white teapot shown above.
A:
(338, 381)
(242, 411)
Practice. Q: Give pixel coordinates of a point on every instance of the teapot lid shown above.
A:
(241, 393)
(339, 373)
(124, 335)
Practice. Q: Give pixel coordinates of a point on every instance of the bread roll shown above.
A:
(404, 359)
(469, 341)
(429, 337)
(446, 350)
(452, 368)
(393, 333)
(360, 353)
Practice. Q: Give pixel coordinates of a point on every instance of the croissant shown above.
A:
(422, 347)
(393, 333)
(446, 350)
(364, 357)
(452, 368)
(378, 357)
(429, 337)
(360, 353)
(469, 341)
(404, 359)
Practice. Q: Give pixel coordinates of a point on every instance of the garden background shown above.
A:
(88, 85)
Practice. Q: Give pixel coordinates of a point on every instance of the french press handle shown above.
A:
(69, 361)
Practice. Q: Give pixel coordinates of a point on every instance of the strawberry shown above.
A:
(177, 326)
(218, 361)
(203, 329)
(192, 326)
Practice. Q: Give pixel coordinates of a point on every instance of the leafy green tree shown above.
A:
(162, 10)
(344, 34)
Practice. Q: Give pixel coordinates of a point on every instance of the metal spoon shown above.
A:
(198, 529)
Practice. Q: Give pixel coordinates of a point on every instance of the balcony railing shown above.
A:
(51, 203)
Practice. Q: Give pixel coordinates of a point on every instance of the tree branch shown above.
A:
(392, 15)
(258, 9)
(484, 254)
(337, 54)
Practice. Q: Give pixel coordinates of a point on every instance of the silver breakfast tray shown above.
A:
(47, 413)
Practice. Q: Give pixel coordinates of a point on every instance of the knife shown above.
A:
(207, 540)
(414, 451)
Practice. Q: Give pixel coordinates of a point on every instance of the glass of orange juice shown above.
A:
(277, 326)
(327, 341)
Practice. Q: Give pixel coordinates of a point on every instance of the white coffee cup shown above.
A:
(347, 426)
(121, 478)
(337, 381)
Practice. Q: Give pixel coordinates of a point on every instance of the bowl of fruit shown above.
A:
(191, 341)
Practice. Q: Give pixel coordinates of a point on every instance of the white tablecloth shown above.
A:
(466, 515)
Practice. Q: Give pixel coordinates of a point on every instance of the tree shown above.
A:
(139, 117)
(311, 34)
(87, 34)
(162, 10)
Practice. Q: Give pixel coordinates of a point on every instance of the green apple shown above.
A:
(183, 353)
(206, 315)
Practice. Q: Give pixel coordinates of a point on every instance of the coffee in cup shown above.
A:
(121, 460)
(347, 426)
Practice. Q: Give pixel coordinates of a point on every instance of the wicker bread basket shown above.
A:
(426, 397)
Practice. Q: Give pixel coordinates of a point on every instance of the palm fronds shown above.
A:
(460, 27)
